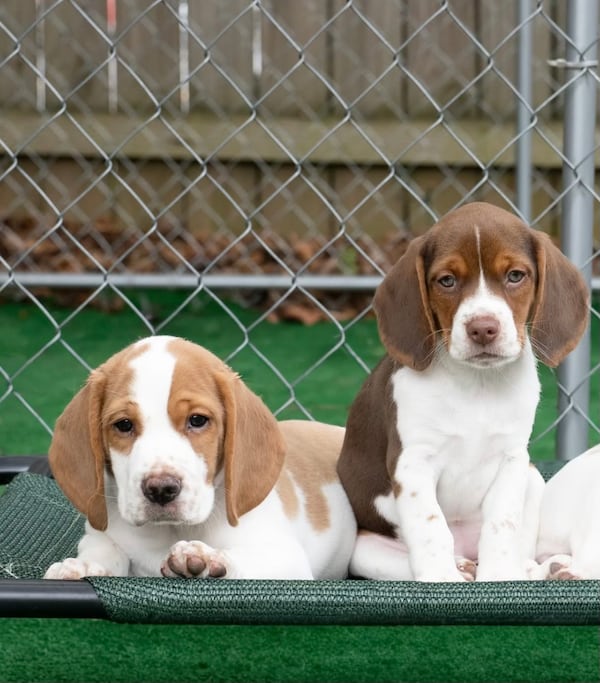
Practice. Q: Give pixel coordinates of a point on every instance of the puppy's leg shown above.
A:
(380, 557)
(585, 530)
(423, 526)
(97, 555)
(74, 568)
(500, 542)
(586, 547)
(386, 559)
(530, 524)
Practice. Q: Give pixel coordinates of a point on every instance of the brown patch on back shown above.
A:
(371, 448)
(285, 489)
(312, 450)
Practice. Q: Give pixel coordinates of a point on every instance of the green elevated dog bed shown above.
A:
(38, 526)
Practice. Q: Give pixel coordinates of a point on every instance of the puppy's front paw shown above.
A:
(194, 559)
(467, 568)
(554, 568)
(560, 569)
(73, 568)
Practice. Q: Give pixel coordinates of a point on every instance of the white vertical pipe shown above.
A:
(523, 166)
(183, 12)
(111, 30)
(40, 55)
(578, 209)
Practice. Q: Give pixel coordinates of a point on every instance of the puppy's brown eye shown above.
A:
(447, 281)
(124, 426)
(197, 421)
(515, 276)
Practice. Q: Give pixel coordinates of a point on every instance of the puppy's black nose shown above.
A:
(161, 489)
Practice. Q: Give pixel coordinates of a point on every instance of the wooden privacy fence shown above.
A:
(199, 112)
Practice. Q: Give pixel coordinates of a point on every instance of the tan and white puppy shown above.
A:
(568, 544)
(181, 470)
(435, 458)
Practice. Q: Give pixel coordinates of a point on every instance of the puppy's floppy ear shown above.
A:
(77, 455)
(253, 446)
(561, 308)
(404, 317)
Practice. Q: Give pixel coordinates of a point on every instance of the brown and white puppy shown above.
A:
(182, 470)
(435, 458)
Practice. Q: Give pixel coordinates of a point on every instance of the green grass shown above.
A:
(316, 361)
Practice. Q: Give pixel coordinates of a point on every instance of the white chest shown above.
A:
(461, 422)
(448, 406)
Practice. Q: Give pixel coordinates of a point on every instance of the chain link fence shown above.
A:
(282, 154)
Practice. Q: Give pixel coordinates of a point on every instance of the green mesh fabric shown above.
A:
(349, 602)
(39, 526)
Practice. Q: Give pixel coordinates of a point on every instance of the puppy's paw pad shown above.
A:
(194, 565)
(194, 559)
(562, 572)
(216, 569)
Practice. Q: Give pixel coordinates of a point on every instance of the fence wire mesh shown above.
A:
(277, 154)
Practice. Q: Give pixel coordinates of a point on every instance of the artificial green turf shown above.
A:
(326, 387)
(69, 650)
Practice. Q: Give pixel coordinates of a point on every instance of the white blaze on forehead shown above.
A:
(482, 289)
(482, 285)
(153, 375)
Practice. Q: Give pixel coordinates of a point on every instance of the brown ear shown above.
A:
(76, 452)
(562, 303)
(404, 318)
(253, 446)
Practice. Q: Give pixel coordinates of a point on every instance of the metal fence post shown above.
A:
(523, 166)
(578, 211)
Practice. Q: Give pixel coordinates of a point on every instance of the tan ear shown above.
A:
(561, 308)
(404, 317)
(77, 455)
(253, 446)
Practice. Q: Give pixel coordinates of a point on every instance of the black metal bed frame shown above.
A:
(39, 598)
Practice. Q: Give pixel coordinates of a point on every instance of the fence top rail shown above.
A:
(190, 281)
(193, 281)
